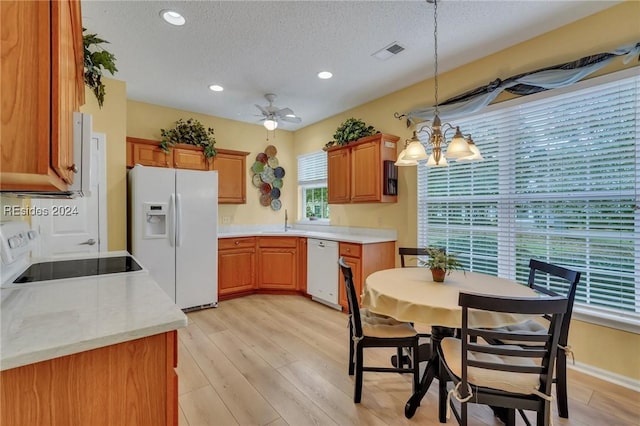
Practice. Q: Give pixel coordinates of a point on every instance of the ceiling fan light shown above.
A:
(270, 124)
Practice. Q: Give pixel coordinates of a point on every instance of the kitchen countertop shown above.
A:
(337, 235)
(62, 317)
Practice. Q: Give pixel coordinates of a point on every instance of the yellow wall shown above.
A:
(111, 120)
(146, 120)
(606, 30)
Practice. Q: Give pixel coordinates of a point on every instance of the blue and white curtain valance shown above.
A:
(522, 84)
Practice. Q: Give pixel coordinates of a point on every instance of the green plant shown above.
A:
(96, 60)
(351, 130)
(439, 259)
(191, 132)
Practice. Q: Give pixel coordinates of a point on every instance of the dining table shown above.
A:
(411, 295)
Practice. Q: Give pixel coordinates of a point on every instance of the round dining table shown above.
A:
(411, 295)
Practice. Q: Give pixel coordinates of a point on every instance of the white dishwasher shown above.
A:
(322, 271)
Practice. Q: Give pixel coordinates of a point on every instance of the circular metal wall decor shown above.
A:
(268, 178)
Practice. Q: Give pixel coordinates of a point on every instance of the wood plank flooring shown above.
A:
(282, 360)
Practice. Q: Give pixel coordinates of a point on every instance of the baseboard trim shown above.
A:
(605, 375)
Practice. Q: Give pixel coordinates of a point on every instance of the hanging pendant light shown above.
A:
(460, 148)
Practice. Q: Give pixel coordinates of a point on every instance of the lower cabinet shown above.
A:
(364, 259)
(236, 266)
(129, 383)
(278, 263)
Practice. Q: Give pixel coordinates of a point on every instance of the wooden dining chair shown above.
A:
(369, 330)
(508, 376)
(410, 251)
(552, 280)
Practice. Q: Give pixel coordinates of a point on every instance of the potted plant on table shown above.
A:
(441, 263)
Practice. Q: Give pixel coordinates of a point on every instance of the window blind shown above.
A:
(559, 183)
(312, 168)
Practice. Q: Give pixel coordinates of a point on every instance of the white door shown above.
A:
(76, 226)
(196, 238)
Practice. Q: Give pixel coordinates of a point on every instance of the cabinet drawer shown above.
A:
(287, 242)
(350, 249)
(234, 243)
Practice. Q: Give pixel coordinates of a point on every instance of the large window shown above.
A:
(312, 180)
(559, 183)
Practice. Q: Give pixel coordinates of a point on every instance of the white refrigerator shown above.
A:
(174, 231)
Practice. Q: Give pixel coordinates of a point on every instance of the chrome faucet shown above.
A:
(286, 218)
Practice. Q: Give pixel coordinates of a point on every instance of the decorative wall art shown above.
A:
(268, 177)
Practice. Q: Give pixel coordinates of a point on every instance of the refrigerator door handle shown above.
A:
(172, 213)
(178, 220)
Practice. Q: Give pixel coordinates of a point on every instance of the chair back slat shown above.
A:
(410, 251)
(352, 300)
(515, 351)
(490, 335)
(513, 368)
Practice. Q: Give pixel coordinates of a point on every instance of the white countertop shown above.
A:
(46, 321)
(348, 235)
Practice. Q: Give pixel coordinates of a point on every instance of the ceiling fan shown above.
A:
(273, 114)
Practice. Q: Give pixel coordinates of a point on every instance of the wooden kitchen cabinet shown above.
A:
(236, 266)
(230, 165)
(278, 263)
(129, 383)
(339, 176)
(41, 62)
(364, 259)
(356, 172)
(232, 176)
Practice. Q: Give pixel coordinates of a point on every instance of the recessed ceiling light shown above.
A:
(172, 17)
(324, 75)
(216, 88)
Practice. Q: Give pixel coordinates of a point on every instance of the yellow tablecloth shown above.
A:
(410, 294)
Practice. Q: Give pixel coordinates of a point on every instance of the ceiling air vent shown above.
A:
(388, 51)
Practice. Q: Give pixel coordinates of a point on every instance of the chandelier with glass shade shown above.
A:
(460, 148)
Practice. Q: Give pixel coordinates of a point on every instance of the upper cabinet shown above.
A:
(41, 61)
(363, 171)
(230, 164)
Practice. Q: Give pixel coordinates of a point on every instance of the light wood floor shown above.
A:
(282, 360)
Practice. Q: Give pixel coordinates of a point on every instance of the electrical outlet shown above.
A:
(226, 220)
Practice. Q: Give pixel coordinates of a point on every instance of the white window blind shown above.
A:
(312, 168)
(559, 183)
(312, 179)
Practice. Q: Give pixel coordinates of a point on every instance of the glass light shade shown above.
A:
(476, 154)
(403, 161)
(415, 151)
(270, 124)
(458, 147)
(431, 162)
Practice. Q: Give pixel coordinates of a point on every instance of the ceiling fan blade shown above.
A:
(291, 119)
(262, 110)
(284, 111)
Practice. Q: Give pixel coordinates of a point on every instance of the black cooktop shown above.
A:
(77, 268)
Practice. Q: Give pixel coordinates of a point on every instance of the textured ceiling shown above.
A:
(256, 47)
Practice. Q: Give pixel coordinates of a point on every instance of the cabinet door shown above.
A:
(231, 177)
(278, 268)
(365, 172)
(355, 264)
(189, 159)
(151, 155)
(236, 271)
(338, 176)
(67, 69)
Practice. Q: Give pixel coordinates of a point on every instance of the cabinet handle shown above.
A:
(348, 250)
(237, 242)
(73, 168)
